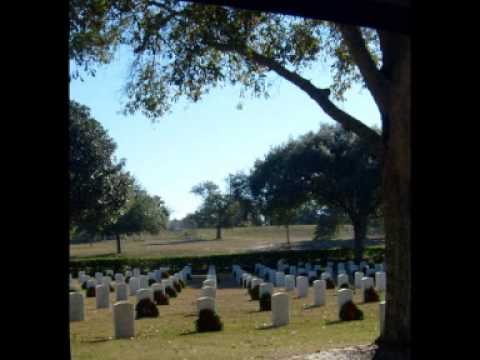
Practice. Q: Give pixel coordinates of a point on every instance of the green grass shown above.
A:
(172, 336)
(235, 240)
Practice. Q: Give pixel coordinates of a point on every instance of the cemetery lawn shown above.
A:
(172, 335)
(203, 242)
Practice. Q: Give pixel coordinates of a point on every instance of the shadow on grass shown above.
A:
(333, 322)
(190, 332)
(308, 307)
(97, 340)
(190, 315)
(266, 327)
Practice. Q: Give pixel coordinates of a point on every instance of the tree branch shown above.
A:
(376, 82)
(320, 96)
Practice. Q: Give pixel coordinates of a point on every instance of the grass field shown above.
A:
(172, 336)
(202, 242)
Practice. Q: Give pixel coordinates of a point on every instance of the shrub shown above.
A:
(254, 292)
(84, 285)
(182, 283)
(90, 292)
(189, 277)
(127, 279)
(208, 321)
(161, 298)
(266, 302)
(311, 280)
(329, 283)
(371, 295)
(177, 287)
(170, 292)
(165, 275)
(344, 286)
(151, 281)
(110, 287)
(350, 311)
(146, 308)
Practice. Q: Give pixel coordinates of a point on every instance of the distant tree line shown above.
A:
(325, 178)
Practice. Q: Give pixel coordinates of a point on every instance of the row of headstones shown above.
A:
(280, 279)
(208, 291)
(280, 300)
(123, 311)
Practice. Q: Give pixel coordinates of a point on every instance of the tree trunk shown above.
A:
(360, 226)
(396, 192)
(119, 245)
(287, 228)
(219, 232)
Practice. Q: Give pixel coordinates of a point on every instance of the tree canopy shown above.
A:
(98, 184)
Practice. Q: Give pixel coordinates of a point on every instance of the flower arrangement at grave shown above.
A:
(146, 308)
(182, 283)
(329, 283)
(344, 286)
(151, 281)
(177, 286)
(170, 292)
(266, 302)
(208, 320)
(110, 287)
(90, 292)
(254, 292)
(371, 295)
(350, 311)
(160, 298)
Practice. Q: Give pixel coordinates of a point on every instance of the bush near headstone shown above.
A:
(110, 287)
(151, 281)
(165, 275)
(170, 292)
(146, 308)
(161, 298)
(350, 311)
(189, 277)
(312, 279)
(182, 283)
(84, 285)
(127, 279)
(371, 295)
(208, 320)
(330, 283)
(254, 292)
(344, 286)
(266, 302)
(90, 292)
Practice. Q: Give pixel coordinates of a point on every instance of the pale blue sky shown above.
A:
(209, 139)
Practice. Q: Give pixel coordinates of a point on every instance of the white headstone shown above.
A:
(266, 288)
(380, 281)
(98, 277)
(136, 272)
(293, 270)
(143, 281)
(102, 297)
(342, 279)
(280, 279)
(91, 283)
(158, 287)
(289, 282)
(119, 278)
(382, 316)
(144, 294)
(134, 285)
(255, 282)
(209, 291)
(358, 279)
(123, 320)
(77, 311)
(210, 282)
(106, 281)
(205, 303)
(326, 275)
(128, 273)
(302, 286)
(280, 309)
(319, 291)
(343, 296)
(121, 292)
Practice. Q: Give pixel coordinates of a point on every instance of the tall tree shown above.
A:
(98, 184)
(217, 209)
(185, 49)
(142, 214)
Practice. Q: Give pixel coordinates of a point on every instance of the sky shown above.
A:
(209, 139)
